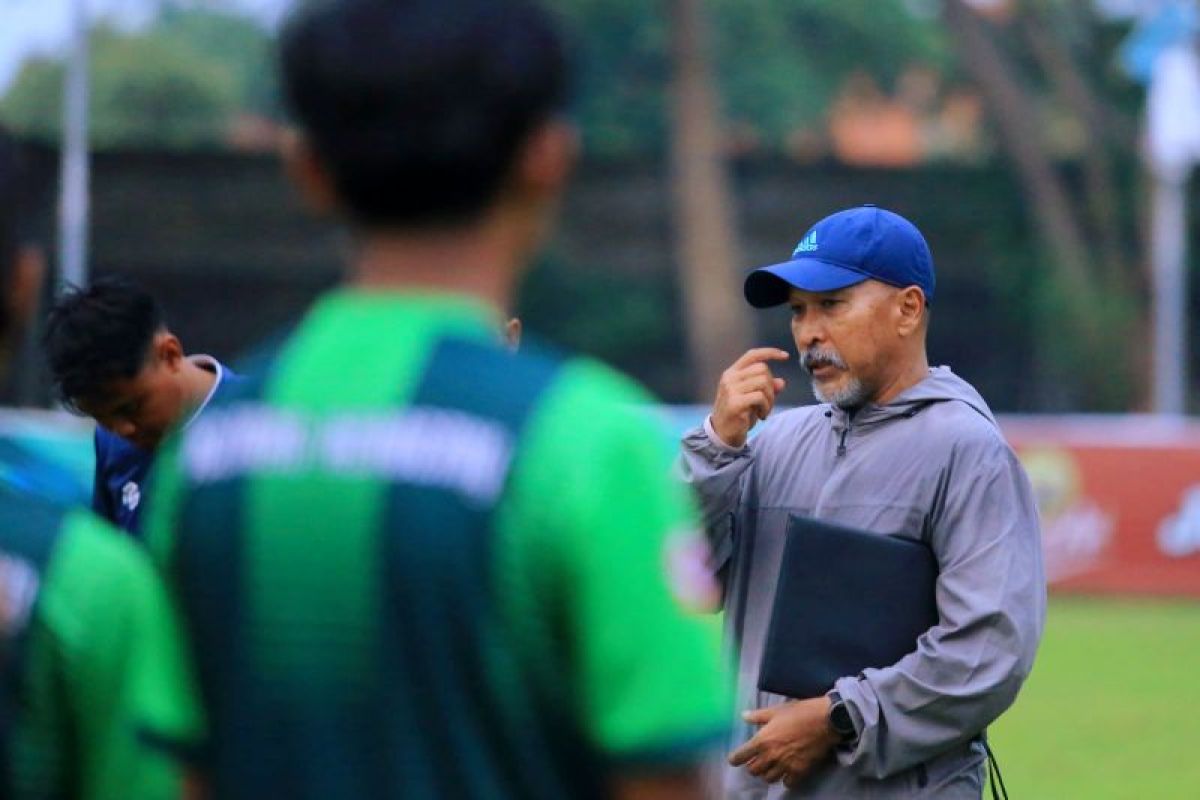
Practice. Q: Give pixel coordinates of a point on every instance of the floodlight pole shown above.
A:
(73, 202)
(1168, 250)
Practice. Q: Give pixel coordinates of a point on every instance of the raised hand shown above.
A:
(746, 394)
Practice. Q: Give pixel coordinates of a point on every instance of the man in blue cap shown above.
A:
(897, 448)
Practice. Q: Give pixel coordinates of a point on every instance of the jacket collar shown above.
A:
(940, 385)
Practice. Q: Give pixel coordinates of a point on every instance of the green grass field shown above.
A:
(1112, 709)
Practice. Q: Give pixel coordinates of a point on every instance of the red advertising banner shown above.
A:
(1119, 499)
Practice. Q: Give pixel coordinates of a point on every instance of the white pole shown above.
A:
(1168, 248)
(73, 203)
(1172, 149)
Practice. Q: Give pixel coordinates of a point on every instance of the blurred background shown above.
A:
(1044, 147)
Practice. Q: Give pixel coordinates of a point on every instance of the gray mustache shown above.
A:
(811, 359)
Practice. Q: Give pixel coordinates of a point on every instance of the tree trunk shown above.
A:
(1054, 57)
(716, 316)
(1087, 326)
(1122, 274)
(1016, 118)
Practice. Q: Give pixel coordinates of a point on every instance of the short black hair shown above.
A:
(99, 334)
(418, 107)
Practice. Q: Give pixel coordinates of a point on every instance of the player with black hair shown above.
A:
(90, 654)
(415, 564)
(113, 358)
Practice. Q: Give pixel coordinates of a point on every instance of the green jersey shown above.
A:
(90, 659)
(416, 565)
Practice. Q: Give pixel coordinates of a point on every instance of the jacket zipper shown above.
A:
(841, 450)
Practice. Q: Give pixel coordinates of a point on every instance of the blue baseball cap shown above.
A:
(844, 249)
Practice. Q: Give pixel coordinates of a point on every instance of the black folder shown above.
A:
(846, 600)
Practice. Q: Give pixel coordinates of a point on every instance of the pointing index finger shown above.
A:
(761, 354)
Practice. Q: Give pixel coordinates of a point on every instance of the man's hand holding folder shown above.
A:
(846, 600)
(794, 738)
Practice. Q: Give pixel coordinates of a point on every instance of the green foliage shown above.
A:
(148, 90)
(623, 68)
(244, 51)
(779, 62)
(33, 106)
(176, 85)
(782, 63)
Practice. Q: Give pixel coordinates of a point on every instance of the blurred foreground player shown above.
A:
(113, 358)
(89, 663)
(415, 564)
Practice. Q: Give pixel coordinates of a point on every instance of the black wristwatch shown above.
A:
(839, 718)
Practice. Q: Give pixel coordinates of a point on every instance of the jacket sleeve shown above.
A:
(717, 475)
(991, 598)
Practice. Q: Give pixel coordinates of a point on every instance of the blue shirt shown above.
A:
(122, 467)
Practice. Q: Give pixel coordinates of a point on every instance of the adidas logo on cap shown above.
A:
(808, 244)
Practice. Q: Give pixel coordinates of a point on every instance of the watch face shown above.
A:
(839, 717)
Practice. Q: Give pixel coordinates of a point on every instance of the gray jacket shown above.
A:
(930, 464)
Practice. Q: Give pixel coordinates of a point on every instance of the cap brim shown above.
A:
(770, 286)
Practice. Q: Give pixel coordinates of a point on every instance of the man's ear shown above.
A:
(168, 350)
(546, 159)
(910, 308)
(512, 333)
(308, 174)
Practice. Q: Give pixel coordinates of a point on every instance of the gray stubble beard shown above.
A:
(852, 395)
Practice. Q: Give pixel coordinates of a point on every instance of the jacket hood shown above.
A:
(940, 386)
